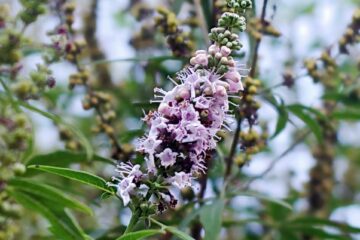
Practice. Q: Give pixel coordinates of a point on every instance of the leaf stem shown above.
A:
(133, 220)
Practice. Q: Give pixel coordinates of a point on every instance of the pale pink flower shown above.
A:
(167, 157)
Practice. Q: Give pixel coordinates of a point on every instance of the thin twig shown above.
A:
(258, 41)
(235, 142)
(201, 17)
(95, 52)
(118, 152)
(276, 160)
(229, 159)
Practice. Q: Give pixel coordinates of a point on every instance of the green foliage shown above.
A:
(80, 176)
(211, 218)
(65, 158)
(306, 114)
(140, 234)
(47, 192)
(62, 226)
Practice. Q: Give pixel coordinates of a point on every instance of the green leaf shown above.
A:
(189, 217)
(9, 94)
(58, 227)
(316, 232)
(178, 233)
(173, 230)
(283, 114)
(66, 218)
(58, 120)
(80, 176)
(346, 99)
(313, 221)
(47, 192)
(346, 115)
(263, 197)
(64, 159)
(299, 111)
(211, 218)
(282, 121)
(140, 234)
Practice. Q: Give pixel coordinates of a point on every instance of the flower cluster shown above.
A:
(184, 127)
(183, 130)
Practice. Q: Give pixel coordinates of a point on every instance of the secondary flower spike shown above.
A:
(183, 130)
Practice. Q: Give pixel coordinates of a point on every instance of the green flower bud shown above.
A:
(19, 169)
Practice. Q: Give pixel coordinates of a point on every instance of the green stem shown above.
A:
(9, 95)
(133, 221)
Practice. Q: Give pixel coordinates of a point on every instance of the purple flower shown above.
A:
(181, 180)
(183, 130)
(129, 175)
(188, 113)
(167, 157)
(201, 102)
(148, 145)
(125, 187)
(200, 58)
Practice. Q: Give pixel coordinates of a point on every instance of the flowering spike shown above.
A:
(183, 131)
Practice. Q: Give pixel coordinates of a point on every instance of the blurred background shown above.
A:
(129, 56)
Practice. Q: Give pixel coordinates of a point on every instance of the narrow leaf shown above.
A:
(80, 176)
(47, 192)
(140, 234)
(211, 218)
(34, 205)
(313, 221)
(173, 230)
(58, 120)
(346, 115)
(64, 159)
(314, 126)
(282, 121)
(263, 197)
(178, 233)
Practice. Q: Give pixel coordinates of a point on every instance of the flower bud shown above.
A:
(233, 76)
(225, 51)
(19, 169)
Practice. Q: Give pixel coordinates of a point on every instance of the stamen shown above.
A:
(235, 105)
(227, 127)
(155, 101)
(173, 81)
(235, 96)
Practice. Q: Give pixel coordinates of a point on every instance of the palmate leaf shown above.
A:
(58, 227)
(47, 192)
(80, 176)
